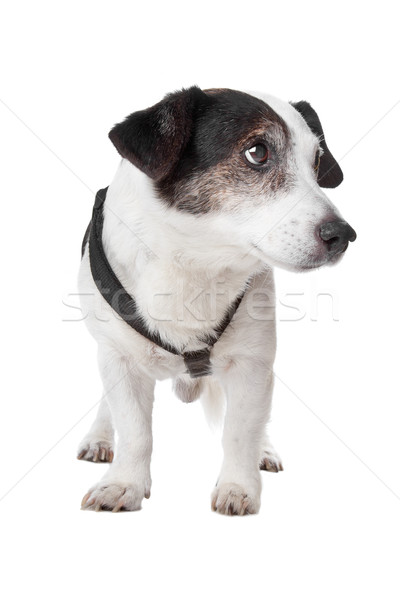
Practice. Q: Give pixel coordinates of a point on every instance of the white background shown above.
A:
(329, 524)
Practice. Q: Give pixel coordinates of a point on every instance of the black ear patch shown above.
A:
(330, 175)
(154, 139)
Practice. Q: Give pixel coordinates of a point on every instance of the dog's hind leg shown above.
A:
(270, 459)
(98, 443)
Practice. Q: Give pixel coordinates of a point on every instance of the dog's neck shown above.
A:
(182, 271)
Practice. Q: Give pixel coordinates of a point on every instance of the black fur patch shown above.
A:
(190, 132)
(330, 175)
(222, 123)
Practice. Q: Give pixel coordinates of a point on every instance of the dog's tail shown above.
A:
(213, 402)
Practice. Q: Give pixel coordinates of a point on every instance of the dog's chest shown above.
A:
(175, 299)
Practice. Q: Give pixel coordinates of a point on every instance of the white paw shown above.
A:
(96, 450)
(270, 461)
(115, 496)
(233, 499)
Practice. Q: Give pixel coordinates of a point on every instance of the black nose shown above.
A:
(337, 235)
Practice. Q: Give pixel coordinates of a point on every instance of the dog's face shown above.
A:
(253, 166)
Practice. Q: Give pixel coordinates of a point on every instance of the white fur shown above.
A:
(183, 271)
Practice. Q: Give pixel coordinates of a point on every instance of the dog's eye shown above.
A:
(317, 161)
(257, 155)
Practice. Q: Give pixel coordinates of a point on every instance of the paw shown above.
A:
(114, 496)
(233, 499)
(96, 451)
(271, 461)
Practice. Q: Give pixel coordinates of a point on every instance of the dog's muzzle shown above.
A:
(336, 236)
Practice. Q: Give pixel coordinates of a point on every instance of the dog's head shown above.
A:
(252, 166)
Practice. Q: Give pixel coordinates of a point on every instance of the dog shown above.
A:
(215, 188)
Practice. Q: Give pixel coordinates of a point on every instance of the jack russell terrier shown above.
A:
(215, 188)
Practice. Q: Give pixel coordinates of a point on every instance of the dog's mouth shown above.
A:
(327, 260)
(309, 263)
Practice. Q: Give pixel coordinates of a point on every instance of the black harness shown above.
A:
(198, 361)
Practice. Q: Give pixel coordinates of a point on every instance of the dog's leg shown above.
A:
(248, 390)
(130, 395)
(98, 443)
(270, 459)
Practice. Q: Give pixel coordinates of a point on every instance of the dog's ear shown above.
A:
(154, 139)
(330, 174)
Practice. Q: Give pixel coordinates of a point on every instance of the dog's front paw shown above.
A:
(115, 496)
(96, 451)
(233, 499)
(271, 461)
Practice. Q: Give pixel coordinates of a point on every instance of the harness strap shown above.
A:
(198, 361)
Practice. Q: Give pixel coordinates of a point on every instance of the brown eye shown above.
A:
(257, 155)
(317, 161)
